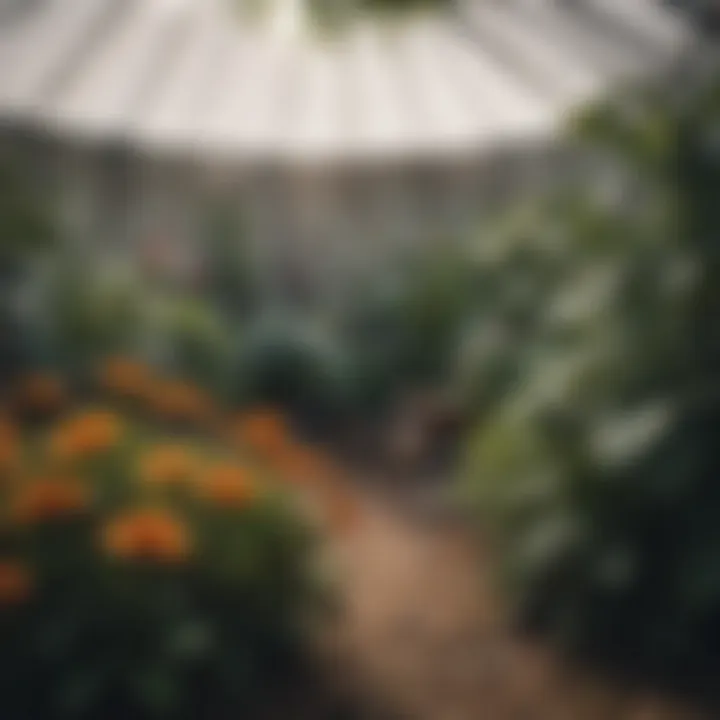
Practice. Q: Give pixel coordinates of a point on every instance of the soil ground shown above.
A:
(422, 635)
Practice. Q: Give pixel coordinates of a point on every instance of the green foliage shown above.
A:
(334, 11)
(228, 275)
(25, 233)
(84, 316)
(75, 318)
(195, 339)
(405, 333)
(294, 363)
(337, 14)
(24, 226)
(595, 458)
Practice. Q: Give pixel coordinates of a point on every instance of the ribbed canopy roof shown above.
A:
(193, 75)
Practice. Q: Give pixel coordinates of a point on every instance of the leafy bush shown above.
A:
(406, 333)
(294, 363)
(149, 569)
(73, 319)
(194, 339)
(595, 461)
(79, 317)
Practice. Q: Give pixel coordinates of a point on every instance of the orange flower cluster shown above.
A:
(9, 448)
(50, 499)
(148, 535)
(263, 430)
(167, 465)
(40, 393)
(228, 485)
(126, 377)
(171, 399)
(181, 401)
(86, 435)
(16, 582)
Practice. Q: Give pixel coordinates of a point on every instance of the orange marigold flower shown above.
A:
(50, 499)
(86, 435)
(228, 485)
(16, 582)
(125, 376)
(264, 430)
(167, 465)
(40, 392)
(177, 400)
(148, 535)
(9, 448)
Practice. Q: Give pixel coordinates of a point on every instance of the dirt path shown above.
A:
(423, 633)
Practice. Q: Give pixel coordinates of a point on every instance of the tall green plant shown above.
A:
(596, 462)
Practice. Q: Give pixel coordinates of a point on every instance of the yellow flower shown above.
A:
(50, 499)
(147, 535)
(16, 583)
(228, 485)
(126, 377)
(167, 465)
(40, 393)
(86, 435)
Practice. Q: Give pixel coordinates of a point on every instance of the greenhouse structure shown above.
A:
(142, 117)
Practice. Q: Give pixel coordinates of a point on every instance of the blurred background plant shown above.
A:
(337, 12)
(593, 463)
(26, 233)
(296, 363)
(334, 15)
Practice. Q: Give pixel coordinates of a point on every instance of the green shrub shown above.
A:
(194, 339)
(76, 319)
(292, 363)
(80, 317)
(595, 463)
(406, 333)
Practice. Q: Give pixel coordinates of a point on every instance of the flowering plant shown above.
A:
(153, 560)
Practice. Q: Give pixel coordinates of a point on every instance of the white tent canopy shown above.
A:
(199, 76)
